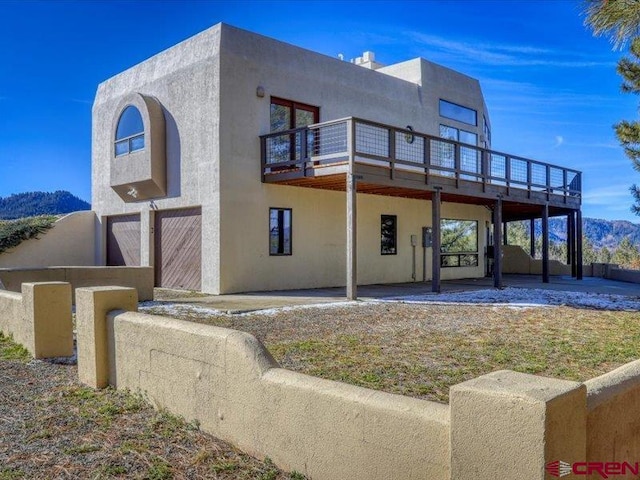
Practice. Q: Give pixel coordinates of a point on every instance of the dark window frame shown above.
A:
(129, 140)
(460, 255)
(281, 232)
(394, 219)
(475, 124)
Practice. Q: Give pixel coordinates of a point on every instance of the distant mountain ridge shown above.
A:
(29, 204)
(601, 233)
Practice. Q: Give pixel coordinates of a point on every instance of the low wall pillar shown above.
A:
(47, 329)
(510, 425)
(92, 306)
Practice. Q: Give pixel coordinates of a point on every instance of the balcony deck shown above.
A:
(386, 160)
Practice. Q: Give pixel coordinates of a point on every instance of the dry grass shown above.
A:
(421, 350)
(53, 428)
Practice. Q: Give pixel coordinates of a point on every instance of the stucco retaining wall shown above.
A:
(70, 241)
(140, 278)
(503, 424)
(39, 318)
(516, 260)
(613, 404)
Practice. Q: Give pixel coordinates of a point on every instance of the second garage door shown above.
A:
(123, 240)
(178, 248)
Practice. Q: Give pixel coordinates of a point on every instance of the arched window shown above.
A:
(130, 131)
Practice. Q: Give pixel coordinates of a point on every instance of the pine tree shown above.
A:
(620, 20)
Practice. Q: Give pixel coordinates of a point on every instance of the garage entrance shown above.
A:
(178, 248)
(123, 240)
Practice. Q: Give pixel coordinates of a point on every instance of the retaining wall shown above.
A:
(70, 241)
(140, 278)
(39, 318)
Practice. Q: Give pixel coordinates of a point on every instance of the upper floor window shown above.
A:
(287, 115)
(458, 113)
(129, 132)
(487, 132)
(458, 135)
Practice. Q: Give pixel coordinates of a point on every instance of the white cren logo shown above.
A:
(559, 468)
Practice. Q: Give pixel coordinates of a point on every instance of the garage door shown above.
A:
(123, 240)
(178, 248)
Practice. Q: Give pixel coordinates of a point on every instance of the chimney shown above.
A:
(367, 60)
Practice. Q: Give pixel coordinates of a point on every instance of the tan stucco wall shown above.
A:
(69, 242)
(508, 425)
(613, 403)
(140, 278)
(319, 240)
(516, 260)
(229, 382)
(39, 318)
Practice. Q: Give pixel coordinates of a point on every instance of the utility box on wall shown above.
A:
(427, 237)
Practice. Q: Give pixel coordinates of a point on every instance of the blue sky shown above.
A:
(550, 86)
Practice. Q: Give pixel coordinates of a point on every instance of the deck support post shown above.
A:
(352, 248)
(578, 245)
(435, 250)
(497, 243)
(545, 243)
(532, 238)
(572, 243)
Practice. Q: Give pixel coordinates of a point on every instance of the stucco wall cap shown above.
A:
(521, 385)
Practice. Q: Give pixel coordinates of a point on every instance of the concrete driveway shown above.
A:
(236, 303)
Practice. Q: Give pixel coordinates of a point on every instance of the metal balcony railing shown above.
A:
(357, 141)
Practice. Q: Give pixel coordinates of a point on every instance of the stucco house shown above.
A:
(233, 162)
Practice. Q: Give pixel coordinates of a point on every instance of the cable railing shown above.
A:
(399, 149)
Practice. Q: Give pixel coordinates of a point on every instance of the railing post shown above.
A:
(304, 150)
(457, 162)
(485, 169)
(392, 150)
(507, 172)
(263, 158)
(565, 187)
(427, 159)
(529, 178)
(548, 181)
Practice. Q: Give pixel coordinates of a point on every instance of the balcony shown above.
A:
(387, 160)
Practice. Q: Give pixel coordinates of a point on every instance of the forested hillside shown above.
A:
(30, 204)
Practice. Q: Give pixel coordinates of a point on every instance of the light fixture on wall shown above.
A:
(260, 91)
(133, 192)
(409, 137)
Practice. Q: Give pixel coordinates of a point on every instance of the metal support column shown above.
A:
(497, 243)
(352, 249)
(505, 233)
(435, 241)
(569, 235)
(572, 246)
(545, 243)
(532, 238)
(578, 245)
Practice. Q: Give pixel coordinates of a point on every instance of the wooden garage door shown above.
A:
(178, 248)
(123, 240)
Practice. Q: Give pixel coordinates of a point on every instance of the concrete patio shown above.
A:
(237, 303)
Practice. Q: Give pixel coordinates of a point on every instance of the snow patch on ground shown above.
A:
(508, 297)
(523, 298)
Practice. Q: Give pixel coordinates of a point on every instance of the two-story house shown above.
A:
(233, 162)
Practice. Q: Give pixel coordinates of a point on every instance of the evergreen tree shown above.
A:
(620, 20)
